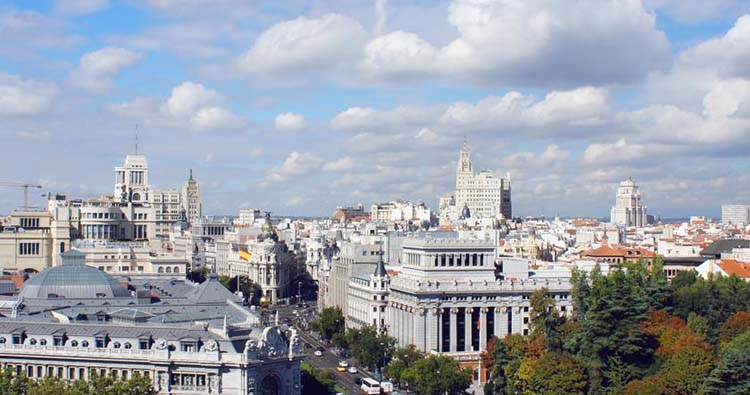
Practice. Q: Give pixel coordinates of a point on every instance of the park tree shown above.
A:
(371, 348)
(330, 322)
(437, 375)
(402, 358)
(553, 373)
(731, 376)
(735, 325)
(545, 320)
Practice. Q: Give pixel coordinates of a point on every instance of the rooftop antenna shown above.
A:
(136, 139)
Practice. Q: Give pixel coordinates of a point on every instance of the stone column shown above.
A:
(467, 328)
(436, 330)
(499, 322)
(454, 330)
(483, 328)
(517, 327)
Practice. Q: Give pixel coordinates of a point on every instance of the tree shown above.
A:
(735, 325)
(96, 385)
(402, 358)
(315, 381)
(545, 320)
(732, 375)
(437, 375)
(330, 322)
(370, 348)
(198, 275)
(250, 290)
(553, 373)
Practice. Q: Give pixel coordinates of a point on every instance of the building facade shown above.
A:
(628, 209)
(187, 338)
(735, 214)
(479, 195)
(191, 199)
(449, 298)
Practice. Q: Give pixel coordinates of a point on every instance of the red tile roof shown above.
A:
(731, 266)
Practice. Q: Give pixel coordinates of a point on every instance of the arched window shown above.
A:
(43, 342)
(32, 342)
(161, 270)
(116, 345)
(84, 343)
(169, 269)
(74, 343)
(127, 346)
(176, 269)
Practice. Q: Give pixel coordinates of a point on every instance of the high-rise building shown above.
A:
(628, 209)
(735, 214)
(131, 183)
(191, 199)
(479, 195)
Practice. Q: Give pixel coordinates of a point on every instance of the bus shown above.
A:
(370, 386)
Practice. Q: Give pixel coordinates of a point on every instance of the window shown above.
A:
(84, 343)
(144, 344)
(127, 346)
(43, 342)
(74, 343)
(28, 248)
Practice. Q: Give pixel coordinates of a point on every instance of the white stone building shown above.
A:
(628, 209)
(479, 195)
(368, 298)
(448, 297)
(735, 214)
(187, 338)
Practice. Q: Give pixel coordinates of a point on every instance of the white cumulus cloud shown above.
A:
(289, 122)
(296, 164)
(20, 96)
(97, 68)
(305, 43)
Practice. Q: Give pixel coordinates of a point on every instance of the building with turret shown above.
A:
(628, 209)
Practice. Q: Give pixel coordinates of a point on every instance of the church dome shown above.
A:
(73, 280)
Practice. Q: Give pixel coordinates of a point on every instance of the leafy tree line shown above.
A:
(631, 333)
(12, 384)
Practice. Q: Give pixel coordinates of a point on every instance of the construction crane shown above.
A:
(25, 187)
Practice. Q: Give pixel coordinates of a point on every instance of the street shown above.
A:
(328, 361)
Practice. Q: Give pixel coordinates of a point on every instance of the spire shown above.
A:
(191, 174)
(380, 267)
(136, 139)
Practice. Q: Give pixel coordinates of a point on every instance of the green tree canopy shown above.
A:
(437, 375)
(329, 323)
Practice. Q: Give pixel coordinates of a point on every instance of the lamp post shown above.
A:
(299, 292)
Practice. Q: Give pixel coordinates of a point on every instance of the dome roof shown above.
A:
(74, 280)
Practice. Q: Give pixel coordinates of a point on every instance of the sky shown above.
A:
(300, 106)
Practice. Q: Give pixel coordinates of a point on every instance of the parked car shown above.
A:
(353, 370)
(343, 365)
(318, 353)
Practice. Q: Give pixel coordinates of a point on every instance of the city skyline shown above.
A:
(302, 107)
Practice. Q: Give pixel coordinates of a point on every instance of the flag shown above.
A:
(244, 255)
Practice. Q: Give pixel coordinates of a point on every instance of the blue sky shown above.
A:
(300, 106)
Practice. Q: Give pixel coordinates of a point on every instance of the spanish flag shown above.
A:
(244, 255)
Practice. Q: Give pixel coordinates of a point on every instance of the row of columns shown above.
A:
(438, 328)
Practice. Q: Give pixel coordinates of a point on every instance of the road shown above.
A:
(329, 360)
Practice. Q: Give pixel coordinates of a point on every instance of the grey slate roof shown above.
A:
(723, 246)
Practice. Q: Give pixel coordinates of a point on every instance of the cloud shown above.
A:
(296, 164)
(190, 104)
(26, 31)
(289, 122)
(728, 98)
(614, 153)
(342, 164)
(532, 42)
(305, 43)
(729, 55)
(79, 7)
(23, 97)
(98, 68)
(575, 110)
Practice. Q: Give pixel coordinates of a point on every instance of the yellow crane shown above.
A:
(25, 187)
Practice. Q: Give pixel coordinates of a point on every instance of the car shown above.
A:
(352, 370)
(341, 369)
(295, 312)
(318, 353)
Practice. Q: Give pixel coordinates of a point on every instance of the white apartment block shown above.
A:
(628, 209)
(735, 214)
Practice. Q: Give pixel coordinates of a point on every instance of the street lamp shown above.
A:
(299, 291)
